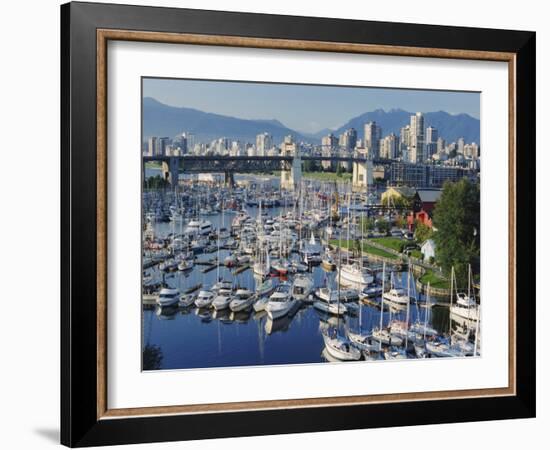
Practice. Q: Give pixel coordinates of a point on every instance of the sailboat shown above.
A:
(340, 347)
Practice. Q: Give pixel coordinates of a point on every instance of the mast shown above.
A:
(408, 307)
(382, 307)
(426, 313)
(451, 301)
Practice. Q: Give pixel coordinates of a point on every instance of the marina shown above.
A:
(252, 274)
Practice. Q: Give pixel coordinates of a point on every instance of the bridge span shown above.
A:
(290, 166)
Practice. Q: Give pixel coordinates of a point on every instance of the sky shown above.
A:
(306, 108)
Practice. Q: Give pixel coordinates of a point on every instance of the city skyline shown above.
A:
(319, 107)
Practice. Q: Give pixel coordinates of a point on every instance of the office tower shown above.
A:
(389, 147)
(264, 142)
(460, 143)
(348, 139)
(373, 134)
(416, 152)
(152, 146)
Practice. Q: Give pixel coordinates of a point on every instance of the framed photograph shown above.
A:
(277, 224)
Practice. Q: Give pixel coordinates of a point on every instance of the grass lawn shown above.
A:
(390, 242)
(416, 254)
(366, 248)
(435, 280)
(327, 176)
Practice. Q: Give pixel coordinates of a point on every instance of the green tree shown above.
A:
(367, 224)
(456, 219)
(422, 232)
(339, 170)
(383, 226)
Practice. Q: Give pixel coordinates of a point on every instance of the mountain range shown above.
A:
(164, 120)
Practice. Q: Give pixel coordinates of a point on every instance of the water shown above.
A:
(177, 338)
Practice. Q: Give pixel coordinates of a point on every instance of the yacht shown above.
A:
(341, 348)
(331, 307)
(204, 299)
(265, 288)
(198, 227)
(354, 275)
(221, 301)
(168, 297)
(327, 294)
(280, 302)
(385, 337)
(187, 300)
(465, 307)
(302, 287)
(242, 299)
(397, 296)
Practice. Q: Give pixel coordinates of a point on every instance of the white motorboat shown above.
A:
(331, 307)
(302, 287)
(168, 297)
(280, 302)
(221, 301)
(242, 299)
(341, 348)
(465, 307)
(222, 286)
(354, 275)
(345, 295)
(187, 300)
(199, 227)
(423, 329)
(204, 299)
(397, 296)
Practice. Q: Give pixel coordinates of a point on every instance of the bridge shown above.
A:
(290, 166)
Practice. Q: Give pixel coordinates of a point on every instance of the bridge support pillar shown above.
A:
(229, 179)
(362, 175)
(291, 179)
(170, 170)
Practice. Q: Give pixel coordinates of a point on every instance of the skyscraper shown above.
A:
(460, 145)
(416, 147)
(389, 147)
(329, 144)
(348, 139)
(264, 142)
(431, 141)
(152, 146)
(373, 134)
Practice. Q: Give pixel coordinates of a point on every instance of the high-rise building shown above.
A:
(329, 144)
(373, 134)
(152, 146)
(264, 142)
(389, 147)
(431, 142)
(288, 146)
(460, 145)
(162, 143)
(348, 139)
(440, 144)
(416, 147)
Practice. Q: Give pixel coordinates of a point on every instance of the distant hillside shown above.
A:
(163, 120)
(450, 127)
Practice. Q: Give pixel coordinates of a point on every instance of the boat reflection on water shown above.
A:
(166, 312)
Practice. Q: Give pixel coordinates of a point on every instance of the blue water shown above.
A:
(182, 339)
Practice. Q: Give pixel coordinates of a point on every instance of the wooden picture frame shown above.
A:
(85, 30)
